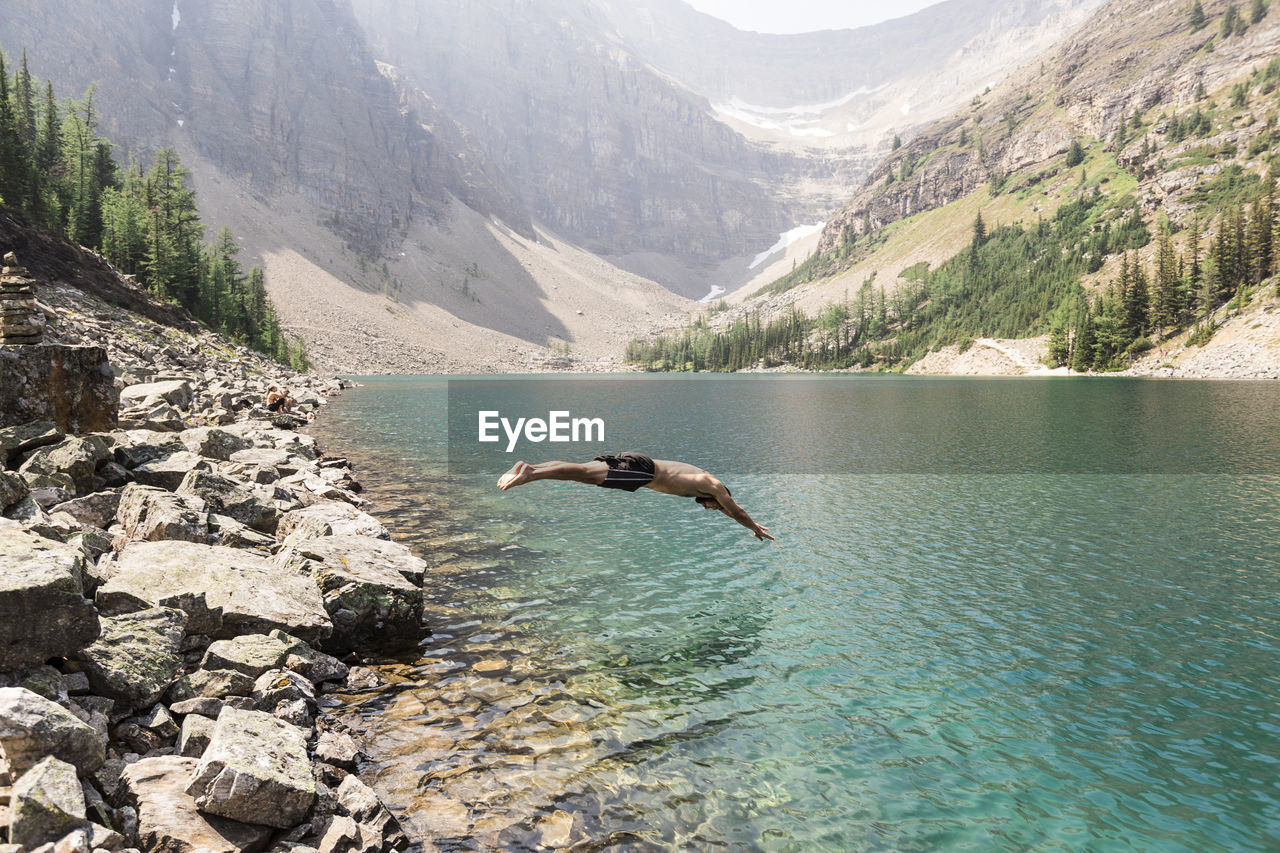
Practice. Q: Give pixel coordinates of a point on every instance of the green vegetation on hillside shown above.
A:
(57, 170)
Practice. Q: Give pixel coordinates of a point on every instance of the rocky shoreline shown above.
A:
(179, 599)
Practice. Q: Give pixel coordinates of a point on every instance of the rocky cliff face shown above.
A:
(282, 94)
(601, 147)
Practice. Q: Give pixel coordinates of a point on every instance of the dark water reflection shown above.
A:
(920, 662)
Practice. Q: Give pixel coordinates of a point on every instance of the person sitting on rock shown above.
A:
(279, 401)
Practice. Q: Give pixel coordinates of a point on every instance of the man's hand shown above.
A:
(762, 533)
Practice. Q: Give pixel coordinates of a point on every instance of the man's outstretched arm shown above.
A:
(730, 508)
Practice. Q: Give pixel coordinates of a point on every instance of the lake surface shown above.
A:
(1000, 614)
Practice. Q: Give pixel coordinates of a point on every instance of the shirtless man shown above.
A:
(630, 471)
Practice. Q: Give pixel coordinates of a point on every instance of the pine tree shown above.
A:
(1230, 19)
(1196, 17)
(1082, 354)
(1257, 11)
(1136, 299)
(1075, 154)
(14, 184)
(897, 142)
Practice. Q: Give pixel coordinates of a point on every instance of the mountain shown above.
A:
(435, 185)
(1135, 144)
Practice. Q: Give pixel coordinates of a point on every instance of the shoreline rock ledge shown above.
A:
(183, 585)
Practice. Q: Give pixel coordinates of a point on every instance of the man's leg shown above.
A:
(591, 473)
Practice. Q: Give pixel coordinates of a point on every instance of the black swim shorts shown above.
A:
(627, 471)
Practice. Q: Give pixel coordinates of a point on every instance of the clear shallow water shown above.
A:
(927, 658)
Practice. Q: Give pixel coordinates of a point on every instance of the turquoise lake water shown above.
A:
(999, 615)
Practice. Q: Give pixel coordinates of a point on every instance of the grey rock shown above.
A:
(241, 592)
(213, 443)
(13, 488)
(296, 712)
(358, 800)
(267, 457)
(96, 510)
(204, 706)
(363, 585)
(73, 842)
(337, 749)
(138, 447)
(277, 686)
(75, 683)
(71, 386)
(226, 531)
(102, 838)
(252, 654)
(168, 472)
(43, 680)
(195, 735)
(167, 817)
(44, 577)
(153, 514)
(210, 684)
(327, 519)
(18, 440)
(176, 392)
(256, 770)
(73, 457)
(225, 496)
(137, 657)
(46, 804)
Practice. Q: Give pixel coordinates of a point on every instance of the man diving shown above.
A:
(630, 471)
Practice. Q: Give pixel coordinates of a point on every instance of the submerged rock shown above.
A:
(255, 770)
(39, 576)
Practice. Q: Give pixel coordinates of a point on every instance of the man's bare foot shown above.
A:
(518, 474)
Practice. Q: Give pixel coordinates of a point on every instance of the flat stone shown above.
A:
(176, 392)
(39, 576)
(242, 592)
(205, 706)
(168, 472)
(17, 440)
(337, 749)
(168, 819)
(329, 518)
(252, 654)
(46, 803)
(226, 531)
(363, 584)
(96, 510)
(255, 770)
(278, 686)
(139, 446)
(152, 514)
(137, 657)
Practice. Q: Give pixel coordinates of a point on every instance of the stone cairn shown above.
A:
(20, 321)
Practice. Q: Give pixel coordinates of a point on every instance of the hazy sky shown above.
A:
(801, 16)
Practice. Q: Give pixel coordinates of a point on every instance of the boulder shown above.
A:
(32, 727)
(72, 387)
(168, 819)
(176, 392)
(337, 749)
(168, 472)
(193, 740)
(214, 443)
(97, 509)
(314, 665)
(153, 514)
(200, 705)
(46, 804)
(226, 531)
(268, 457)
(139, 446)
(255, 770)
(225, 591)
(363, 584)
(73, 457)
(210, 684)
(251, 654)
(225, 496)
(17, 440)
(137, 657)
(359, 801)
(278, 686)
(13, 488)
(40, 576)
(330, 518)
